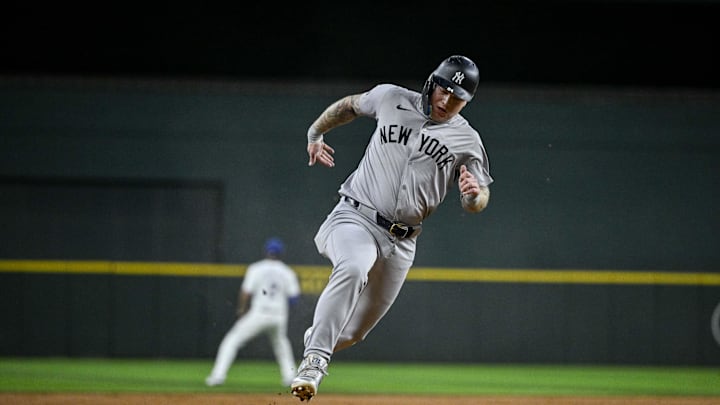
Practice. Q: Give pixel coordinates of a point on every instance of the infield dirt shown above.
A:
(331, 399)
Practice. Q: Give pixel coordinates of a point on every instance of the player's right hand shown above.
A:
(322, 153)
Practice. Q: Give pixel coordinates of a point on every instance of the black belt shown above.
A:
(398, 229)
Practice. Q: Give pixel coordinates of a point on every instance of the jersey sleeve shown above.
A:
(479, 164)
(293, 285)
(370, 100)
(481, 171)
(250, 280)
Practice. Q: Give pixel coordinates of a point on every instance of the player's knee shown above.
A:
(355, 339)
(353, 274)
(348, 341)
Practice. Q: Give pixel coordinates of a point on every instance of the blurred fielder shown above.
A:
(269, 288)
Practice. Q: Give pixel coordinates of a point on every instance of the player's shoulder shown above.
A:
(460, 128)
(281, 266)
(260, 265)
(253, 267)
(460, 123)
(290, 271)
(385, 94)
(392, 90)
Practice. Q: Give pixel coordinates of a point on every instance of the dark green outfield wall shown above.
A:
(585, 178)
(606, 179)
(186, 317)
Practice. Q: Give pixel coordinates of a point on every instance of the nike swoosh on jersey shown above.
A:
(400, 107)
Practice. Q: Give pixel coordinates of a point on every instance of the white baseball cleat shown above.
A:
(310, 373)
(214, 381)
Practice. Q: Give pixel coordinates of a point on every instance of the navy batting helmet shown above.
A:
(456, 74)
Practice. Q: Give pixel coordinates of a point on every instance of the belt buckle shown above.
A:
(396, 229)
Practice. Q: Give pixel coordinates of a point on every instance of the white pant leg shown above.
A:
(283, 351)
(244, 329)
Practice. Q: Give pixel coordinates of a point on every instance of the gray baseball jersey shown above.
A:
(410, 162)
(408, 167)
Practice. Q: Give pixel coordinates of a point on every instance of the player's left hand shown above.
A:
(320, 152)
(468, 183)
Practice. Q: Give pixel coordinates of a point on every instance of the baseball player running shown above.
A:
(269, 287)
(420, 148)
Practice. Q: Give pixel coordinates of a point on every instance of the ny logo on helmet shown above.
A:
(458, 78)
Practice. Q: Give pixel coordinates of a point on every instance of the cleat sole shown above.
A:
(303, 393)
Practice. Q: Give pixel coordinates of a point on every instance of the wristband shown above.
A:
(314, 136)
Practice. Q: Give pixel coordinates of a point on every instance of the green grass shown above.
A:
(187, 376)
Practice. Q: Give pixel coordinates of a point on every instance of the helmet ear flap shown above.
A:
(426, 92)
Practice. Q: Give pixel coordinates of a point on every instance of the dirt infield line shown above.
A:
(333, 399)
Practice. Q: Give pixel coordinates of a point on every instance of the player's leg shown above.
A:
(384, 283)
(352, 251)
(243, 330)
(283, 351)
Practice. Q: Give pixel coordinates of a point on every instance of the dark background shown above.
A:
(165, 170)
(618, 43)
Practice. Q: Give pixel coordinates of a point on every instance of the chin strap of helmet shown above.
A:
(426, 92)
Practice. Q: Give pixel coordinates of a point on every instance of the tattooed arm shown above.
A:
(338, 113)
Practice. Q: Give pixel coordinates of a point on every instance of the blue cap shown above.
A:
(274, 246)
